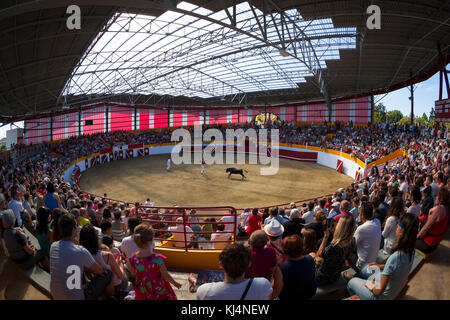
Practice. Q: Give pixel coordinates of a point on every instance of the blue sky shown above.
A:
(425, 93)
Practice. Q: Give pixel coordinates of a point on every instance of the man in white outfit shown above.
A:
(168, 164)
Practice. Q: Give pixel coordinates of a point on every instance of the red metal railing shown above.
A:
(161, 222)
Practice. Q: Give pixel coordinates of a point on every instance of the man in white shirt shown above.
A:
(309, 216)
(220, 236)
(229, 217)
(367, 237)
(168, 165)
(148, 203)
(235, 260)
(68, 264)
(128, 246)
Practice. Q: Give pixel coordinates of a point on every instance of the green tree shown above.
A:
(405, 120)
(379, 113)
(394, 116)
(2, 147)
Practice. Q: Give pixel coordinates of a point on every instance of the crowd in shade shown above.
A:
(281, 253)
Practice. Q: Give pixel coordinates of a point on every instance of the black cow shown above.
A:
(236, 171)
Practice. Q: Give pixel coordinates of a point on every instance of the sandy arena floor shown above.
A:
(137, 179)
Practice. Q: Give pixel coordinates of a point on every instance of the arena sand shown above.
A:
(139, 178)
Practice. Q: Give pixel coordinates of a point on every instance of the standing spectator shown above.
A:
(152, 278)
(66, 256)
(178, 238)
(395, 272)
(274, 231)
(367, 237)
(254, 222)
(235, 259)
(244, 218)
(298, 271)
(263, 260)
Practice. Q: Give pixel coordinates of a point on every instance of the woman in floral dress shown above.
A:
(152, 278)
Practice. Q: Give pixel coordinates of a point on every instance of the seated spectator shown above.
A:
(254, 222)
(152, 278)
(235, 259)
(16, 243)
(109, 243)
(414, 196)
(344, 209)
(52, 199)
(274, 216)
(42, 230)
(178, 239)
(367, 237)
(55, 234)
(282, 214)
(318, 224)
(332, 257)
(66, 256)
(309, 215)
(294, 225)
(334, 210)
(298, 271)
(106, 228)
(263, 260)
(89, 240)
(395, 272)
(434, 224)
(222, 236)
(309, 241)
(274, 231)
(208, 227)
(118, 227)
(84, 217)
(390, 224)
(265, 215)
(194, 221)
(294, 214)
(428, 201)
(354, 211)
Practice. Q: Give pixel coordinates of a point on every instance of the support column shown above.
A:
(51, 126)
(411, 89)
(79, 122)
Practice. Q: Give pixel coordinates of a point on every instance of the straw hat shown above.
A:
(274, 228)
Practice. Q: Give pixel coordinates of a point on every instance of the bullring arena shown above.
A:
(137, 179)
(90, 182)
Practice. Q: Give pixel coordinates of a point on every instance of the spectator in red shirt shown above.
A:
(263, 259)
(254, 222)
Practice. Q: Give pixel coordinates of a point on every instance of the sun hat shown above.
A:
(274, 228)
